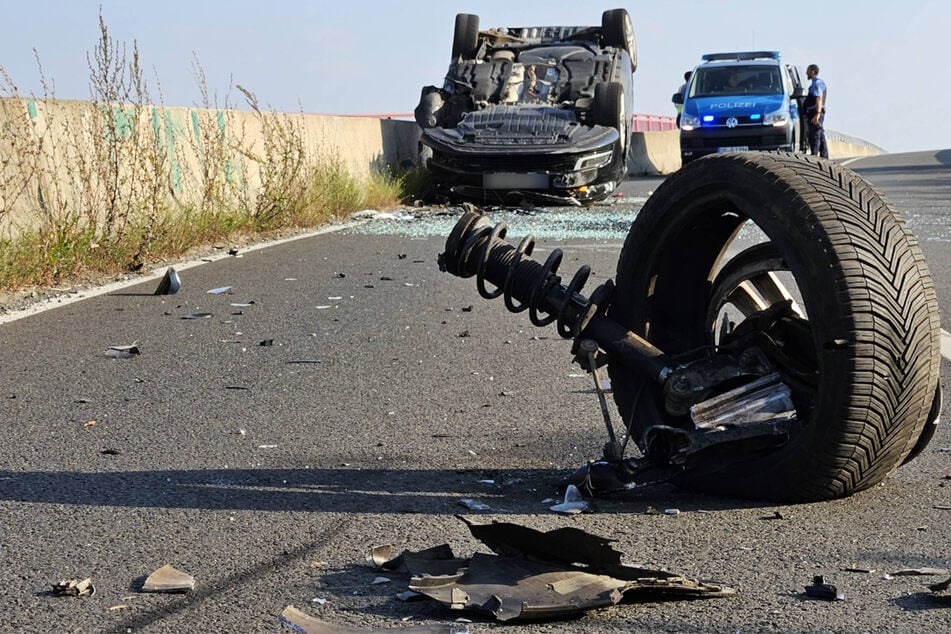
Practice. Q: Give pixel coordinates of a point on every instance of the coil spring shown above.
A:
(538, 285)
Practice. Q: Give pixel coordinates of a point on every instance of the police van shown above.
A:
(741, 101)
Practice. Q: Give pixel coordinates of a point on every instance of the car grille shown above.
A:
(507, 162)
(753, 139)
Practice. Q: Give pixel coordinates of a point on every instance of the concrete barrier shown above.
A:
(658, 153)
(76, 158)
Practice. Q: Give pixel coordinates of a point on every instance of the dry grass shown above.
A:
(92, 192)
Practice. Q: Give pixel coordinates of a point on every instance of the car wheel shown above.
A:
(465, 36)
(861, 355)
(607, 109)
(930, 428)
(617, 30)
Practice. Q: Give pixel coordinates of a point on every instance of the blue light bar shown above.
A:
(755, 117)
(707, 118)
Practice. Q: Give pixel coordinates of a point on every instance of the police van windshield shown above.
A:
(736, 80)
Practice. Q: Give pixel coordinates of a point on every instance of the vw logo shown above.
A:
(732, 122)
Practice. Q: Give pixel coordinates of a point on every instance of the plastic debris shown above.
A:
(474, 505)
(74, 588)
(168, 579)
(170, 283)
(822, 590)
(573, 503)
(536, 575)
(380, 580)
(122, 352)
(220, 290)
(912, 572)
(197, 316)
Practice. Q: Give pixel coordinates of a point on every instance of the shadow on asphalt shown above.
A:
(336, 491)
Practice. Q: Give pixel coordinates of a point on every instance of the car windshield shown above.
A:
(736, 80)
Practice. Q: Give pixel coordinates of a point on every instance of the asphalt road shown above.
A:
(353, 401)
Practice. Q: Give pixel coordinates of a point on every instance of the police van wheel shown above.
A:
(465, 36)
(868, 334)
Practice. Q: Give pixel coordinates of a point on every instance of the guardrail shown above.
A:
(652, 123)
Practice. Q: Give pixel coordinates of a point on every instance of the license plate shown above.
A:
(508, 180)
(734, 148)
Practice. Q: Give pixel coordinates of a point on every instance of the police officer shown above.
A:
(815, 107)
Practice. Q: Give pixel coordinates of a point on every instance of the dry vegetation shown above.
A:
(92, 191)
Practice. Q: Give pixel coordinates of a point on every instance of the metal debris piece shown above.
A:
(74, 588)
(197, 316)
(380, 580)
(299, 621)
(573, 503)
(858, 569)
(122, 352)
(170, 283)
(266, 342)
(822, 590)
(776, 515)
(912, 572)
(168, 579)
(220, 290)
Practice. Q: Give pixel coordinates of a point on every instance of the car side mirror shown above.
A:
(799, 93)
(678, 97)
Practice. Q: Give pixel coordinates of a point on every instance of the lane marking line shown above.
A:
(88, 293)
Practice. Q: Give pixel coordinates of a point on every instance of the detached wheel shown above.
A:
(465, 36)
(607, 109)
(617, 30)
(728, 236)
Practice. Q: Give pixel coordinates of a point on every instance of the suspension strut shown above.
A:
(476, 247)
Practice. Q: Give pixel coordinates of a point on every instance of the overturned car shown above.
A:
(531, 113)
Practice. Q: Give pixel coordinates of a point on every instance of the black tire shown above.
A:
(872, 314)
(465, 36)
(617, 30)
(607, 109)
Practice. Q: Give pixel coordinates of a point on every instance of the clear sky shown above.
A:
(884, 61)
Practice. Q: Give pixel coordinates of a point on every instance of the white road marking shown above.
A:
(57, 302)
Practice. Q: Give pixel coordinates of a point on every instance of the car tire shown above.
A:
(872, 336)
(617, 30)
(607, 108)
(465, 36)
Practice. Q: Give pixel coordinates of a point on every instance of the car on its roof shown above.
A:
(531, 113)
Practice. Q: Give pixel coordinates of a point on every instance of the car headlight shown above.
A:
(689, 122)
(779, 118)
